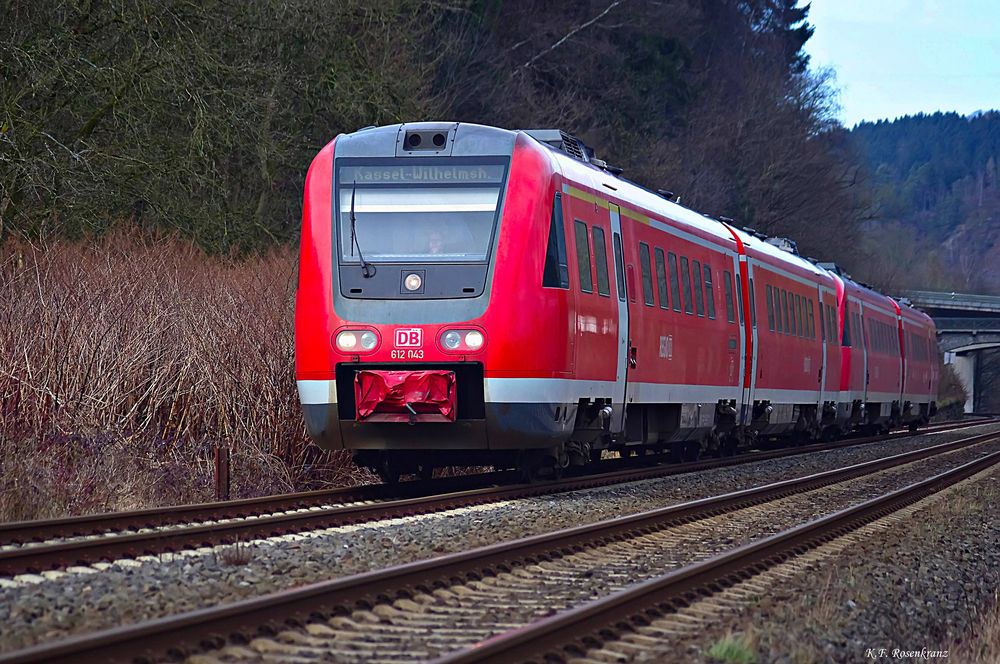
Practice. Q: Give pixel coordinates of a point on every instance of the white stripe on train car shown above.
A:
(317, 391)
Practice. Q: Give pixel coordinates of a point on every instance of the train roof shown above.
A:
(582, 169)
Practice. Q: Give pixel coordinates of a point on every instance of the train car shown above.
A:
(921, 366)
(474, 295)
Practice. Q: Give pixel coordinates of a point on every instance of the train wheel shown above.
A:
(914, 425)
(389, 473)
(692, 450)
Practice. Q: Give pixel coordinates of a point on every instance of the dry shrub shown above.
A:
(126, 360)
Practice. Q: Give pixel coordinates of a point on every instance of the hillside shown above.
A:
(203, 117)
(935, 195)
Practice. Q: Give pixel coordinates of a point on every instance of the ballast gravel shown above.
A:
(917, 592)
(124, 593)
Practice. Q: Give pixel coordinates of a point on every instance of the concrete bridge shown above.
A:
(967, 324)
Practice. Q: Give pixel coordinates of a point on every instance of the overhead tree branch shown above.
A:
(571, 33)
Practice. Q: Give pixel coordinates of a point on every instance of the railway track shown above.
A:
(433, 607)
(36, 546)
(631, 625)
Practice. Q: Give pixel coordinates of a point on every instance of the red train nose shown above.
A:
(405, 396)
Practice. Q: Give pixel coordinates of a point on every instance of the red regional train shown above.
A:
(474, 295)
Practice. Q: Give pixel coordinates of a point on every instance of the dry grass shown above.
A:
(984, 646)
(125, 361)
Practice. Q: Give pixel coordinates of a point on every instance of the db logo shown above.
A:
(409, 337)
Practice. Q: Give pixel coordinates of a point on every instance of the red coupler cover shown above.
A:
(430, 393)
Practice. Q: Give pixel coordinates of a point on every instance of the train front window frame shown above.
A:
(418, 210)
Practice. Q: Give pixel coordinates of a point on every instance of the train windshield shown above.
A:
(425, 212)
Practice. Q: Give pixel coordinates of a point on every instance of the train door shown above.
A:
(822, 357)
(864, 346)
(621, 373)
(752, 318)
(748, 337)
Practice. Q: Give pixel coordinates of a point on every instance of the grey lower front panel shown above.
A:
(507, 426)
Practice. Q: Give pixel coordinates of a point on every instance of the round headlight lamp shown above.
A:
(474, 339)
(413, 282)
(346, 340)
(368, 340)
(452, 340)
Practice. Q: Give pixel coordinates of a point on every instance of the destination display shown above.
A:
(423, 174)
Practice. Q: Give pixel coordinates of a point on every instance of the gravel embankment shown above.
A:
(478, 611)
(922, 586)
(124, 593)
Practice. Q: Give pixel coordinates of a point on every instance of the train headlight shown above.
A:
(356, 341)
(413, 282)
(452, 340)
(474, 339)
(368, 340)
(462, 341)
(347, 340)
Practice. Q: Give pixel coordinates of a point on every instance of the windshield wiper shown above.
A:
(367, 269)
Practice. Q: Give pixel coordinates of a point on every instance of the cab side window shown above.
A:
(556, 271)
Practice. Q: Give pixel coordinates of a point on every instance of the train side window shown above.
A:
(601, 257)
(661, 278)
(789, 302)
(699, 297)
(770, 307)
(709, 293)
(783, 309)
(832, 324)
(798, 309)
(810, 321)
(583, 257)
(727, 286)
(619, 267)
(647, 274)
(822, 322)
(777, 311)
(739, 299)
(846, 342)
(675, 288)
(753, 306)
(686, 282)
(556, 271)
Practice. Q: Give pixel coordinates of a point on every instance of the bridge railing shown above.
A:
(967, 324)
(941, 300)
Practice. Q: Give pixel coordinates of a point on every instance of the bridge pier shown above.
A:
(967, 324)
(964, 366)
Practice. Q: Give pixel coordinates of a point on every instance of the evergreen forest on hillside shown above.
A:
(202, 118)
(935, 191)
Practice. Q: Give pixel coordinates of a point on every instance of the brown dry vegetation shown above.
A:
(126, 360)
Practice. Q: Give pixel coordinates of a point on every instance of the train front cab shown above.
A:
(443, 242)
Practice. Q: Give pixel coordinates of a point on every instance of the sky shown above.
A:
(902, 57)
